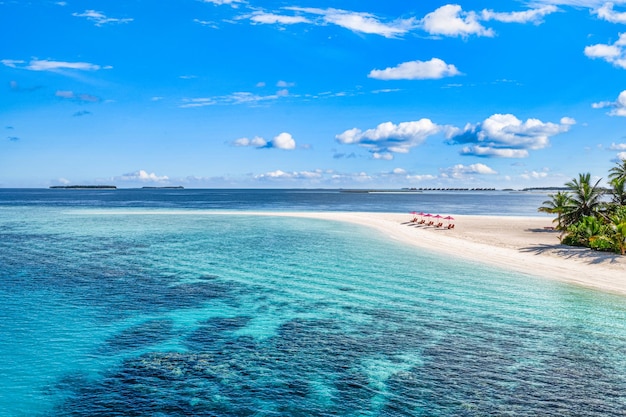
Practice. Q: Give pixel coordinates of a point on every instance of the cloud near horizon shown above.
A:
(416, 70)
(460, 171)
(505, 136)
(142, 176)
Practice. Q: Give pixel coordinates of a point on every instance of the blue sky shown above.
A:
(311, 93)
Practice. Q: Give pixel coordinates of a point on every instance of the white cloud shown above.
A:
(142, 176)
(618, 147)
(294, 175)
(388, 137)
(271, 18)
(47, 65)
(451, 20)
(99, 18)
(621, 156)
(399, 171)
(70, 95)
(535, 175)
(233, 3)
(490, 152)
(505, 136)
(423, 177)
(207, 23)
(416, 70)
(257, 142)
(359, 22)
(12, 63)
(614, 53)
(532, 15)
(283, 84)
(386, 156)
(462, 171)
(618, 107)
(607, 13)
(284, 141)
(240, 97)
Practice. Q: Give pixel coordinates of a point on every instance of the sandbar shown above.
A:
(523, 244)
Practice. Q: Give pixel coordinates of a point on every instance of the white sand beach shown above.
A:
(521, 244)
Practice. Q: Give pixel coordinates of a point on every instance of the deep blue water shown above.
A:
(461, 202)
(109, 309)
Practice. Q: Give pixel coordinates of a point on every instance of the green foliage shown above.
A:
(619, 171)
(587, 220)
(557, 204)
(585, 199)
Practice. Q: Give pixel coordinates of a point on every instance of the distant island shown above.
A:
(84, 187)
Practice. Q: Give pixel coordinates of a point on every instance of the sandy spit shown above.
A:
(522, 244)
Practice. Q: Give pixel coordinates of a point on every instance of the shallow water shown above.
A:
(108, 307)
(106, 312)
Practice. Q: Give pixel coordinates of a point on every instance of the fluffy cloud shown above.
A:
(618, 107)
(142, 176)
(99, 18)
(451, 20)
(282, 141)
(532, 15)
(505, 136)
(416, 70)
(614, 53)
(607, 13)
(618, 147)
(388, 137)
(463, 171)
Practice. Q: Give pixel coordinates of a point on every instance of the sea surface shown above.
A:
(149, 303)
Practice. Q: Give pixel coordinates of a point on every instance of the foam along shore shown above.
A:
(522, 244)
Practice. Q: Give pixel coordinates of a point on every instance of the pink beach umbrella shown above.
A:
(448, 218)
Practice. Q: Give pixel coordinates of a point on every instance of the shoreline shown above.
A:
(524, 244)
(515, 243)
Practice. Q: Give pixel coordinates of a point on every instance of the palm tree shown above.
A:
(585, 199)
(618, 171)
(619, 191)
(618, 227)
(557, 204)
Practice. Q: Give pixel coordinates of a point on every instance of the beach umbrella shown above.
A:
(448, 218)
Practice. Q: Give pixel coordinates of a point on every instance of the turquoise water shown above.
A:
(150, 312)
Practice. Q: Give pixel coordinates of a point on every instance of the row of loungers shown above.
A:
(432, 223)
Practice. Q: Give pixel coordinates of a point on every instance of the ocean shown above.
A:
(150, 303)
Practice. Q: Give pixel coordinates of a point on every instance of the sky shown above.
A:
(311, 93)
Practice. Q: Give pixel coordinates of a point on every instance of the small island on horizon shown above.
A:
(81, 187)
